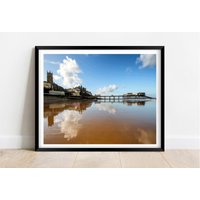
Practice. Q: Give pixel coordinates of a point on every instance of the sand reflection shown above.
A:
(106, 107)
(70, 124)
(146, 137)
(66, 123)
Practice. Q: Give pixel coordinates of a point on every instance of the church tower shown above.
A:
(50, 77)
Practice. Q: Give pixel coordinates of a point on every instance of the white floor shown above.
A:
(167, 159)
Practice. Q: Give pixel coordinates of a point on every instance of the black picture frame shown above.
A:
(162, 95)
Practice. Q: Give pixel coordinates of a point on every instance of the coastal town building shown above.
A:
(51, 88)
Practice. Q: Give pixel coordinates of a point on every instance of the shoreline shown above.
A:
(61, 99)
(58, 99)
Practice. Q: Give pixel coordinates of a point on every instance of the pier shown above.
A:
(122, 97)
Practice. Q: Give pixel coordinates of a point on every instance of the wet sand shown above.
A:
(89, 122)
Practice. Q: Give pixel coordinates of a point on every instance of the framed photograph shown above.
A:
(99, 98)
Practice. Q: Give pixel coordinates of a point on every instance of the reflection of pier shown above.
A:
(138, 103)
(127, 102)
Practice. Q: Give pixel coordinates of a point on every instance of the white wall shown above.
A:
(17, 81)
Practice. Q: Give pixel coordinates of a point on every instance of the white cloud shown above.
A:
(146, 60)
(68, 71)
(107, 89)
(56, 77)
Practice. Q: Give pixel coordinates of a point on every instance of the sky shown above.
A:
(109, 74)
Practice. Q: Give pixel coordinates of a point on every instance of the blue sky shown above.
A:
(104, 73)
